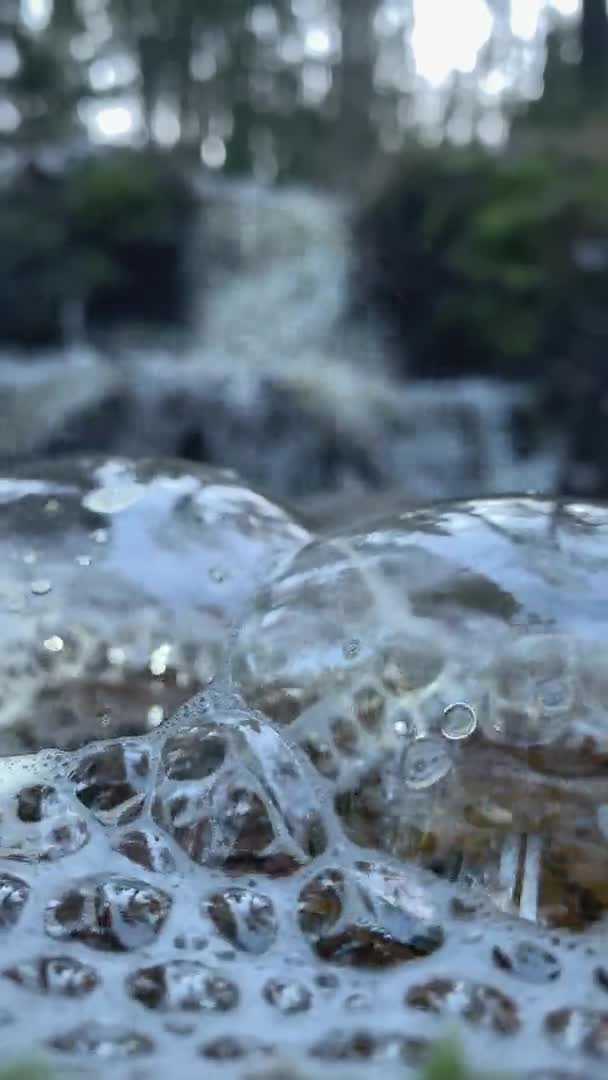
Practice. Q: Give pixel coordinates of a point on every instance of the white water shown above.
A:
(274, 373)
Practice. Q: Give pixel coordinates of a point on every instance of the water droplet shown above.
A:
(426, 762)
(53, 644)
(459, 721)
(41, 587)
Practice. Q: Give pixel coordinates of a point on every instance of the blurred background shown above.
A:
(348, 247)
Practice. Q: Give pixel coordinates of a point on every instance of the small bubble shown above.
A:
(404, 724)
(156, 715)
(217, 575)
(459, 721)
(51, 506)
(426, 762)
(84, 560)
(41, 587)
(100, 536)
(105, 718)
(53, 644)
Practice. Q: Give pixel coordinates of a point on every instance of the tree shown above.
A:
(594, 51)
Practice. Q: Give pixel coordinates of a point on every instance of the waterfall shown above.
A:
(275, 378)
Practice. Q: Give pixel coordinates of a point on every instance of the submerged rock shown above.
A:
(386, 812)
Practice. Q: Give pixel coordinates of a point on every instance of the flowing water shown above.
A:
(276, 379)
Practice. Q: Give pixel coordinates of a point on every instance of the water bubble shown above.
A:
(287, 997)
(104, 1041)
(183, 985)
(111, 500)
(115, 914)
(529, 962)
(84, 560)
(155, 716)
(579, 1029)
(426, 762)
(477, 1003)
(245, 918)
(53, 644)
(217, 575)
(41, 587)
(459, 721)
(404, 724)
(52, 506)
(57, 975)
(13, 896)
(100, 536)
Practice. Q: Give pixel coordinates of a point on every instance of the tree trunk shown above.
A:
(594, 50)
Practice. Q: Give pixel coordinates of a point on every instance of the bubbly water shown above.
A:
(382, 812)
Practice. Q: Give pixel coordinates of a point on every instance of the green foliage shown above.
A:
(27, 1070)
(109, 234)
(475, 257)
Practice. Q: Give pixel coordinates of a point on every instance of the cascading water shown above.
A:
(276, 379)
